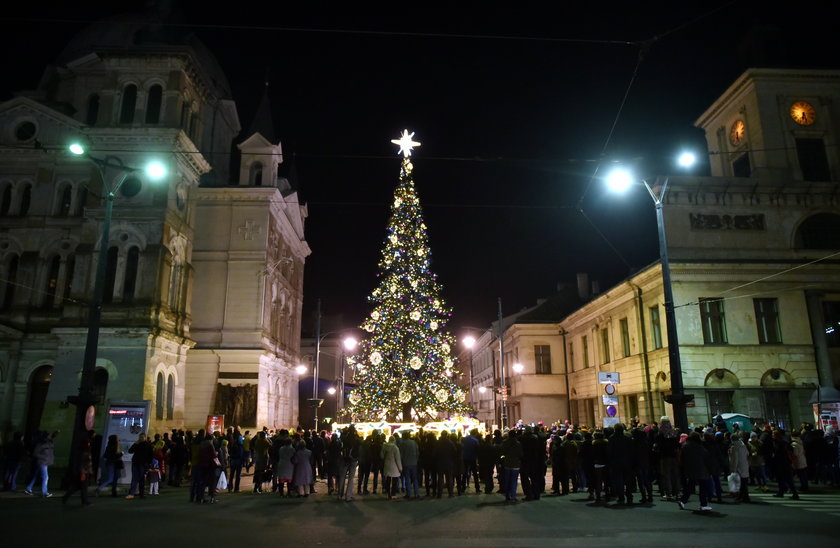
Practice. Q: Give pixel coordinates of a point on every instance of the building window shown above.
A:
(256, 174)
(585, 341)
(605, 344)
(655, 327)
(542, 359)
(741, 166)
(10, 282)
(159, 397)
(818, 232)
(813, 160)
(831, 317)
(767, 321)
(129, 104)
(130, 281)
(110, 275)
(720, 401)
(52, 281)
(572, 355)
(81, 200)
(100, 384)
(713, 321)
(625, 337)
(185, 115)
(170, 397)
(25, 199)
(92, 110)
(153, 103)
(6, 199)
(65, 201)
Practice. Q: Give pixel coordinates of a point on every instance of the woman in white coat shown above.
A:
(739, 463)
(392, 466)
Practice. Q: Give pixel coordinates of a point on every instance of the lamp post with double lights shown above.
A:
(113, 172)
(620, 181)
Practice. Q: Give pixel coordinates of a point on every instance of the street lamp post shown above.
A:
(85, 400)
(678, 398)
(349, 344)
(469, 342)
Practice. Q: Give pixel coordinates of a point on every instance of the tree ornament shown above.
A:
(416, 363)
(376, 358)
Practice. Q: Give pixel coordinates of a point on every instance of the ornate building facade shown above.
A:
(204, 277)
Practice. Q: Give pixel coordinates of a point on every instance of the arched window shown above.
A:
(159, 397)
(25, 199)
(92, 110)
(256, 174)
(5, 199)
(110, 275)
(69, 271)
(130, 282)
(11, 283)
(39, 386)
(129, 104)
(81, 200)
(170, 397)
(65, 201)
(54, 268)
(153, 103)
(100, 384)
(820, 231)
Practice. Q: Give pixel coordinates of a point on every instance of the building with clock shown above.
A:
(204, 274)
(755, 270)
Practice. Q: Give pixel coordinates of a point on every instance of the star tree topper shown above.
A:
(406, 143)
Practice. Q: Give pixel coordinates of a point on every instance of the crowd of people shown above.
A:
(618, 465)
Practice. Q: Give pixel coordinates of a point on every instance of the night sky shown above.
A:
(516, 109)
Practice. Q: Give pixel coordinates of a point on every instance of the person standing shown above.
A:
(334, 450)
(622, 464)
(667, 449)
(511, 455)
(739, 463)
(113, 465)
(800, 464)
(259, 448)
(302, 474)
(350, 459)
(469, 455)
(487, 460)
(391, 466)
(445, 455)
(285, 468)
(410, 454)
(13, 455)
(696, 463)
(783, 462)
(236, 455)
(140, 462)
(43, 456)
(80, 477)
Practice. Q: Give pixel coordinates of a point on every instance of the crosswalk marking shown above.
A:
(828, 503)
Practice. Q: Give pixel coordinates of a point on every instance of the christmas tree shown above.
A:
(405, 368)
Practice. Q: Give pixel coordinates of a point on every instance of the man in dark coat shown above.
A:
(621, 465)
(696, 463)
(533, 459)
(445, 455)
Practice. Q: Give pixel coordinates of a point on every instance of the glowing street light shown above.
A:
(620, 180)
(301, 369)
(518, 367)
(85, 400)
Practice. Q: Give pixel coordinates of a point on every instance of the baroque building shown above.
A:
(203, 291)
(755, 274)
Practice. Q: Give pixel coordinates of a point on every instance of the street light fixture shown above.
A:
(469, 342)
(301, 369)
(620, 180)
(85, 400)
(517, 367)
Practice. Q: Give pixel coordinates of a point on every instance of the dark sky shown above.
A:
(515, 108)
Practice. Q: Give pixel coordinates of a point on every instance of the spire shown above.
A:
(263, 123)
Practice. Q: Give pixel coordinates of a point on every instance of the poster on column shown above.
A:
(127, 420)
(829, 415)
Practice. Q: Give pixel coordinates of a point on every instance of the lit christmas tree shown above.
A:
(405, 368)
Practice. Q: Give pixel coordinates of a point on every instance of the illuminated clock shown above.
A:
(803, 113)
(738, 132)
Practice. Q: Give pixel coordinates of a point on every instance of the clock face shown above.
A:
(738, 132)
(803, 113)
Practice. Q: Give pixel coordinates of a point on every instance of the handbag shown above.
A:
(222, 483)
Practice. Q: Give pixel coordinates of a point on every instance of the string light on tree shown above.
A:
(404, 366)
